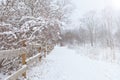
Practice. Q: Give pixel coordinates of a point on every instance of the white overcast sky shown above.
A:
(83, 6)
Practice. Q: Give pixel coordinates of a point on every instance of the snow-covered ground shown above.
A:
(99, 53)
(66, 64)
(2, 76)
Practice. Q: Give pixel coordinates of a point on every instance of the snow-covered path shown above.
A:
(65, 64)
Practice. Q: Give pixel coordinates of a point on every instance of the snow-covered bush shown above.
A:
(30, 21)
(34, 20)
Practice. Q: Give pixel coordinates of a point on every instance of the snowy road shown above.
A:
(65, 64)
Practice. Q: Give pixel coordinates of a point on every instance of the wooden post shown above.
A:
(23, 63)
(39, 50)
(48, 49)
(40, 58)
(24, 57)
(44, 52)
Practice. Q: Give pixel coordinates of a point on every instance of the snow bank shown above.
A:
(99, 53)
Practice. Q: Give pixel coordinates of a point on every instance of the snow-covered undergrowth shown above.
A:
(65, 64)
(100, 53)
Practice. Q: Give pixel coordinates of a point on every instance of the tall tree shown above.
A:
(89, 21)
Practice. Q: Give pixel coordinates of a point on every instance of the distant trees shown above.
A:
(108, 21)
(90, 22)
(95, 28)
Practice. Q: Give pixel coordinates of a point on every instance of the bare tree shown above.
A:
(89, 21)
(108, 23)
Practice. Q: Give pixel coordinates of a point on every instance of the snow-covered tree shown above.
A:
(29, 17)
(31, 21)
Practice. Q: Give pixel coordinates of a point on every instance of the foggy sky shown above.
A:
(84, 6)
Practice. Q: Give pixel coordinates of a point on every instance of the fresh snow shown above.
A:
(2, 76)
(65, 64)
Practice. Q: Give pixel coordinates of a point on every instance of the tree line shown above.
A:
(95, 28)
